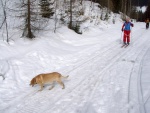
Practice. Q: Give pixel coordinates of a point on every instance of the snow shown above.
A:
(143, 8)
(103, 77)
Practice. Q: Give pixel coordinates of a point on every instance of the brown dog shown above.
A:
(42, 79)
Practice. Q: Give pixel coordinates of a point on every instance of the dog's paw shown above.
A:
(50, 88)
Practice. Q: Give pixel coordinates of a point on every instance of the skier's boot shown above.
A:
(124, 43)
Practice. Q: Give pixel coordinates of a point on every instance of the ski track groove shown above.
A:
(140, 56)
(140, 92)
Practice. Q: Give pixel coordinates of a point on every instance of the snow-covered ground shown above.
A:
(143, 9)
(103, 77)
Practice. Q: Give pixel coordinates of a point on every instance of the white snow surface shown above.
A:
(143, 8)
(103, 77)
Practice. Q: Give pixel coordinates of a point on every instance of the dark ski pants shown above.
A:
(126, 37)
(147, 25)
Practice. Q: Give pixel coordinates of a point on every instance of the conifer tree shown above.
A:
(30, 13)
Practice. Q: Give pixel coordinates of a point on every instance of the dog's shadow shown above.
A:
(47, 86)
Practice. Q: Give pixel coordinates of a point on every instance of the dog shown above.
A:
(42, 79)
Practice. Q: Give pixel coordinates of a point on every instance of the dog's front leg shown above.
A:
(41, 87)
(53, 84)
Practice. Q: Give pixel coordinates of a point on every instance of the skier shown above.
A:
(147, 23)
(126, 28)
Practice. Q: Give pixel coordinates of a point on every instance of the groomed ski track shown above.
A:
(117, 77)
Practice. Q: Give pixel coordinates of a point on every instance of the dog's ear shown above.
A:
(38, 79)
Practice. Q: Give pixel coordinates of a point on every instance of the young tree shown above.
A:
(75, 10)
(5, 19)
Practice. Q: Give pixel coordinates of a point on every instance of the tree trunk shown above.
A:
(29, 35)
(125, 7)
(129, 8)
(107, 6)
(81, 2)
(70, 24)
(122, 6)
(5, 20)
(55, 16)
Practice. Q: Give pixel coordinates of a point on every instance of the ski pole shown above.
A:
(121, 38)
(131, 37)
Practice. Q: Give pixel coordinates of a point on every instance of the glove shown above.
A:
(122, 29)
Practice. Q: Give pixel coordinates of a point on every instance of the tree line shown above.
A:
(147, 12)
(127, 7)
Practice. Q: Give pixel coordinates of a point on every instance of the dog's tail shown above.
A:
(65, 76)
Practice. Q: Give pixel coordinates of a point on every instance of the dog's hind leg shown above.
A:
(53, 84)
(62, 84)
(2, 76)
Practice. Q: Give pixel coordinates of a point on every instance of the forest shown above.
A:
(128, 7)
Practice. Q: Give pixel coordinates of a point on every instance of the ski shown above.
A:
(126, 46)
(123, 46)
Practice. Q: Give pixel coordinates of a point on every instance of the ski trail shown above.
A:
(144, 92)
